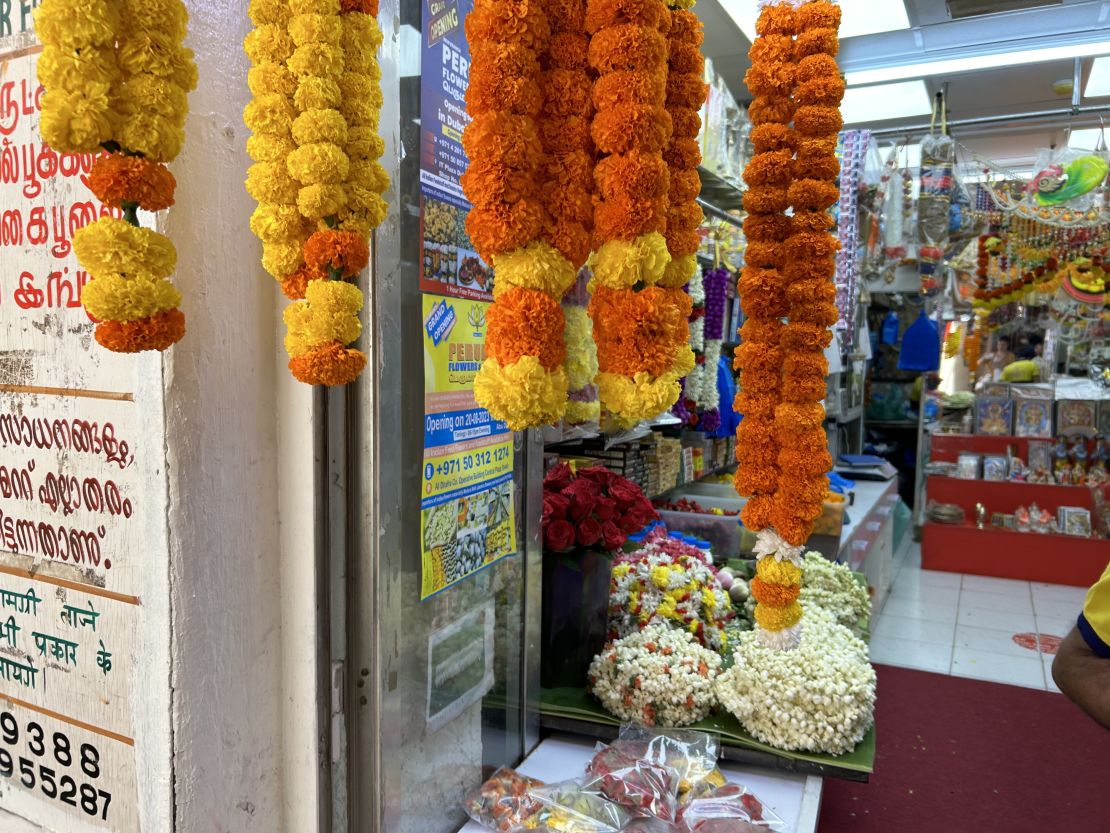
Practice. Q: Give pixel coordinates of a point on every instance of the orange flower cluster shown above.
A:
(568, 173)
(130, 182)
(762, 285)
(531, 192)
(775, 595)
(647, 181)
(686, 92)
(810, 251)
(155, 332)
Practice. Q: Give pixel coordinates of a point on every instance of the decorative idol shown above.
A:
(1078, 455)
(1061, 465)
(1097, 473)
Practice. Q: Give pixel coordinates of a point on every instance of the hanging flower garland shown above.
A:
(686, 92)
(761, 286)
(583, 406)
(316, 176)
(117, 79)
(686, 408)
(783, 454)
(522, 380)
(642, 335)
(716, 296)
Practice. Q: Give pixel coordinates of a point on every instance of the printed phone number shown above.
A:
(469, 462)
(55, 749)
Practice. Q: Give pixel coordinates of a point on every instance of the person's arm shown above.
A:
(1083, 676)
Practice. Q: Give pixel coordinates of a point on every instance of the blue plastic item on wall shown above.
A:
(890, 328)
(920, 346)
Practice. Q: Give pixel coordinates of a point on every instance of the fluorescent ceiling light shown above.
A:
(860, 17)
(863, 105)
(1098, 85)
(1084, 139)
(951, 66)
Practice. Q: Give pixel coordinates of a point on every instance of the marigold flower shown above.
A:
(620, 89)
(268, 11)
(295, 285)
(330, 365)
(504, 227)
(620, 264)
(810, 491)
(504, 77)
(624, 219)
(755, 480)
(819, 14)
(519, 21)
(76, 123)
(632, 127)
(804, 389)
(524, 394)
(115, 246)
(328, 313)
(369, 7)
(315, 28)
(821, 91)
(627, 47)
(636, 175)
(812, 221)
(317, 93)
(683, 242)
(603, 14)
(158, 332)
(762, 331)
(818, 120)
(811, 245)
(683, 154)
(525, 322)
(756, 513)
(774, 595)
(281, 259)
(264, 148)
(813, 194)
(776, 19)
(764, 110)
(758, 253)
(766, 199)
(773, 78)
(816, 41)
(113, 297)
(638, 398)
(774, 168)
(679, 271)
(566, 93)
(768, 228)
(770, 137)
(571, 239)
(569, 49)
(341, 251)
(320, 126)
(116, 179)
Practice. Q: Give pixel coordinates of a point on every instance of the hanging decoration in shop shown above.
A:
(855, 144)
(639, 312)
(934, 202)
(117, 80)
(527, 189)
(781, 444)
(315, 144)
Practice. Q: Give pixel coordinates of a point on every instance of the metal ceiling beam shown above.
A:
(1084, 114)
(1074, 24)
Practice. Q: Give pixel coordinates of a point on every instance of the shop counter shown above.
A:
(794, 797)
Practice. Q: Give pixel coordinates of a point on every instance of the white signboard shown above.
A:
(84, 629)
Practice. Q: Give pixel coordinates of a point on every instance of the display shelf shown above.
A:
(1005, 495)
(947, 447)
(719, 192)
(796, 798)
(574, 711)
(1003, 553)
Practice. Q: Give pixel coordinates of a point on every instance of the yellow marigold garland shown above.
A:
(523, 215)
(117, 79)
(316, 177)
(782, 447)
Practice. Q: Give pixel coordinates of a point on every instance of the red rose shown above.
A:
(605, 509)
(558, 478)
(555, 507)
(598, 474)
(583, 495)
(646, 508)
(611, 536)
(635, 519)
(558, 536)
(589, 533)
(625, 492)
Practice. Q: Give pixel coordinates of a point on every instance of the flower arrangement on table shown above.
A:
(668, 581)
(591, 509)
(117, 79)
(833, 587)
(316, 178)
(657, 676)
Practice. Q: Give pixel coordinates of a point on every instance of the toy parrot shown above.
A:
(1056, 185)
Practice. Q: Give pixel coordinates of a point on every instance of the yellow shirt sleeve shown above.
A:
(1094, 621)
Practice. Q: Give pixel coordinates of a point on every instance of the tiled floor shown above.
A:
(965, 625)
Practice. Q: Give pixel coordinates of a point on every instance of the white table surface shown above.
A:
(869, 494)
(796, 798)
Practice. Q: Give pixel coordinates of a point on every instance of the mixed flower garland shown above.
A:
(316, 177)
(781, 444)
(639, 312)
(833, 587)
(117, 79)
(527, 187)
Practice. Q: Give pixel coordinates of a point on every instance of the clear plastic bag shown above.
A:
(651, 826)
(642, 787)
(568, 807)
(692, 755)
(504, 803)
(730, 809)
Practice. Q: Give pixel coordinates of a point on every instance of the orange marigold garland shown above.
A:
(511, 184)
(642, 334)
(686, 91)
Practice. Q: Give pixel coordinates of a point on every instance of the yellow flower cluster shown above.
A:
(581, 363)
(621, 264)
(117, 77)
(632, 400)
(78, 67)
(315, 146)
(156, 74)
(525, 394)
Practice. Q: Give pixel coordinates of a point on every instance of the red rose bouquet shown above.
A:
(593, 509)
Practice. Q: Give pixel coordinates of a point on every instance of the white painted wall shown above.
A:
(241, 547)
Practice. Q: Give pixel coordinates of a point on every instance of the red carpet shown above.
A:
(964, 756)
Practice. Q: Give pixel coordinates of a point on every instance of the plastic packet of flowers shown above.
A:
(730, 802)
(504, 803)
(569, 807)
(641, 787)
(691, 754)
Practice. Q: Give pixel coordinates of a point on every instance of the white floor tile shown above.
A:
(1049, 683)
(1052, 626)
(998, 620)
(906, 653)
(988, 584)
(992, 642)
(938, 578)
(926, 593)
(1004, 603)
(983, 665)
(918, 630)
(1058, 593)
(916, 609)
(1057, 610)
